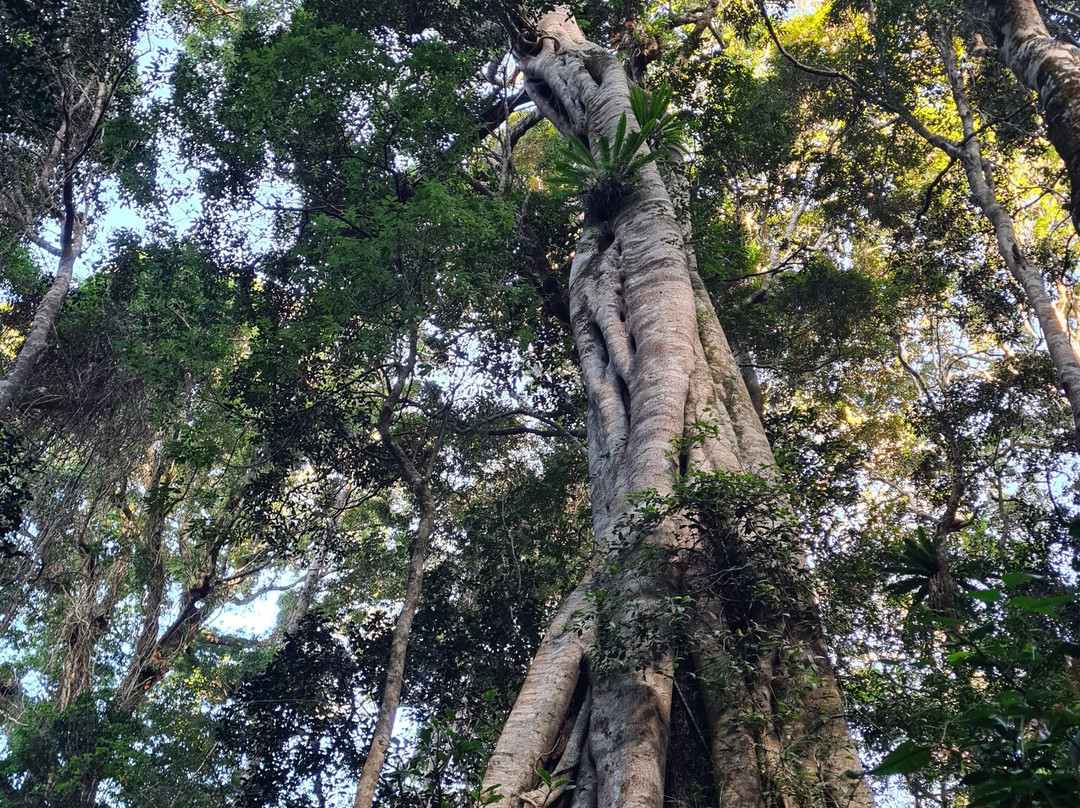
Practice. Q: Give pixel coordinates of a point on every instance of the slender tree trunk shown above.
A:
(395, 668)
(980, 177)
(657, 366)
(1051, 68)
(418, 479)
(316, 570)
(305, 599)
(37, 340)
(156, 651)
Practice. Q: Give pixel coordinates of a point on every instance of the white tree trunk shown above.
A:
(980, 178)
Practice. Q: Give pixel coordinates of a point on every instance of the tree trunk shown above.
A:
(37, 340)
(980, 177)
(657, 367)
(154, 651)
(1049, 67)
(418, 479)
(395, 668)
(305, 598)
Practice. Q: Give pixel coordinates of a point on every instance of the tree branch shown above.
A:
(948, 146)
(46, 246)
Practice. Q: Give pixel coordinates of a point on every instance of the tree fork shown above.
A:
(980, 177)
(418, 479)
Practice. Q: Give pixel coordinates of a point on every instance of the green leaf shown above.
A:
(977, 778)
(605, 152)
(620, 134)
(942, 620)
(985, 595)
(908, 757)
(1041, 605)
(1017, 578)
(639, 105)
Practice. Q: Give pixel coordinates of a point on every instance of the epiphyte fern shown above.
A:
(666, 133)
(617, 161)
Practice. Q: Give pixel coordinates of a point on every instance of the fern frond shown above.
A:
(620, 138)
(640, 105)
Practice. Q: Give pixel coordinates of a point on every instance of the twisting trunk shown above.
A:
(980, 178)
(37, 339)
(657, 367)
(1051, 68)
(88, 620)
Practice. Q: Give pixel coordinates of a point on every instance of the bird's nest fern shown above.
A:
(603, 178)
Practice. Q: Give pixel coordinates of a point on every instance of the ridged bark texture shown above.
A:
(1051, 68)
(656, 366)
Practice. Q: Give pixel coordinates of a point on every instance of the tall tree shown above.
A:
(667, 406)
(1051, 67)
(403, 330)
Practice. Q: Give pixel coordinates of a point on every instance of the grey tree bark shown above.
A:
(395, 668)
(980, 176)
(656, 365)
(981, 182)
(84, 101)
(417, 476)
(37, 339)
(1051, 68)
(155, 650)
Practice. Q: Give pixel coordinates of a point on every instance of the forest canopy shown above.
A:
(475, 403)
